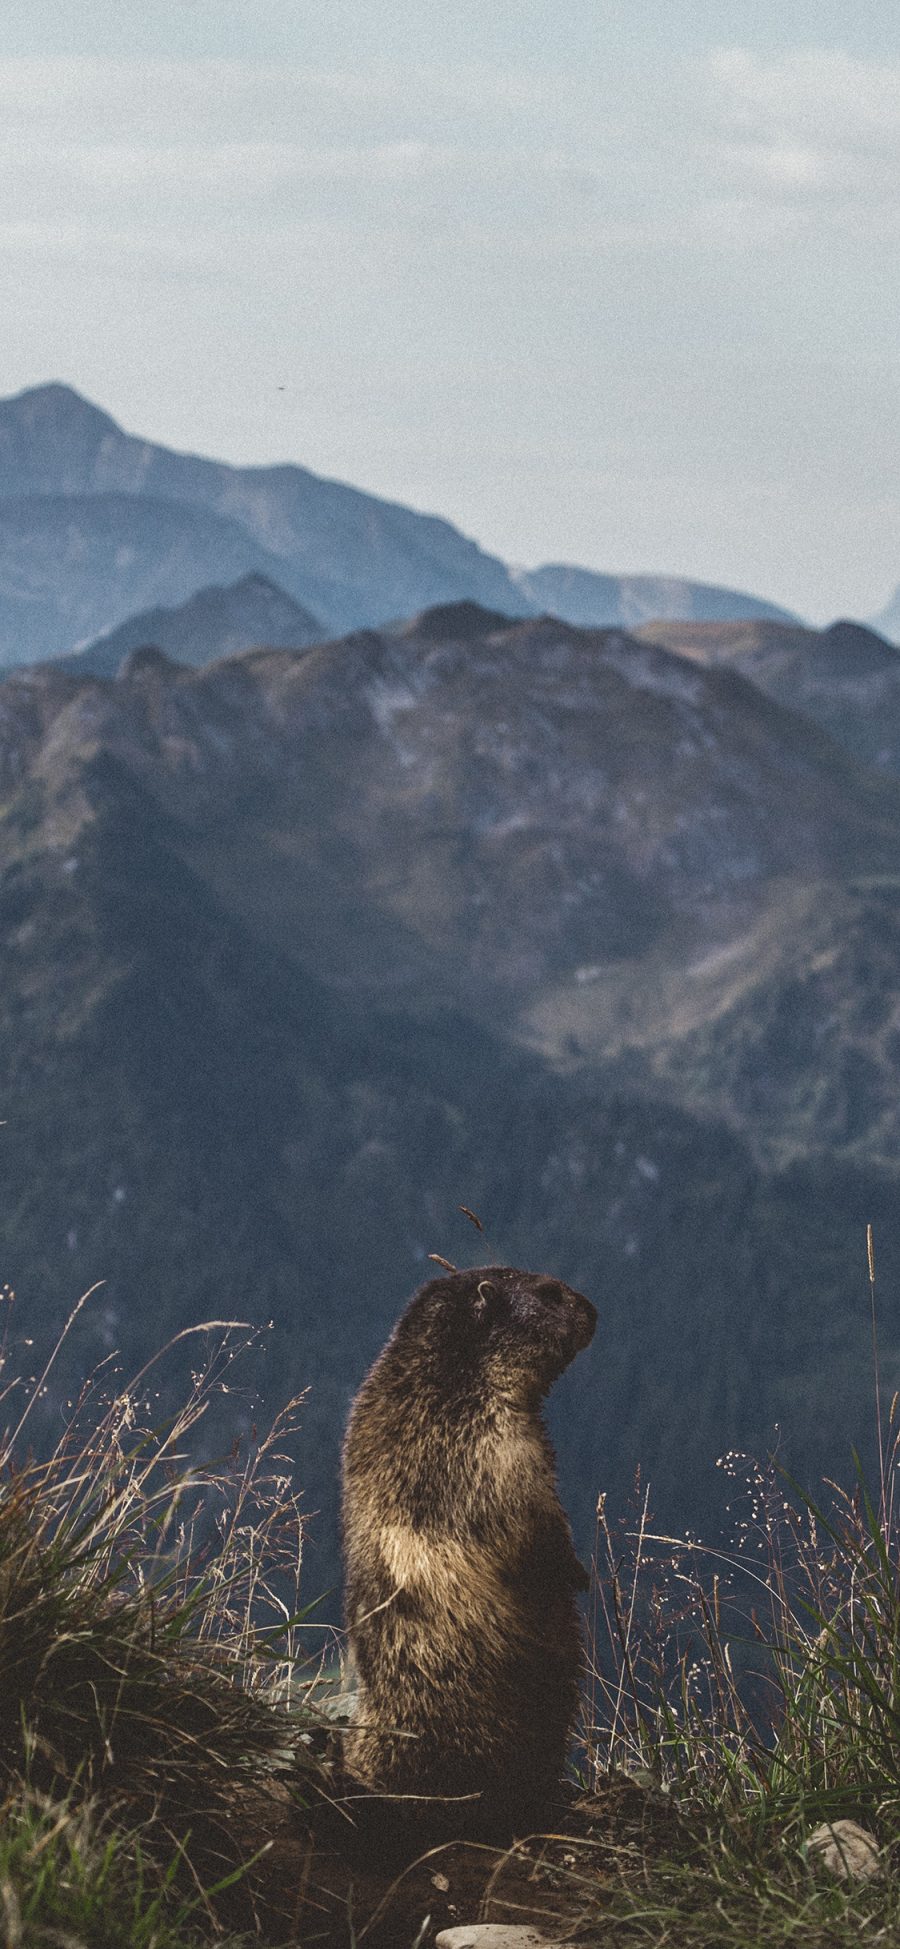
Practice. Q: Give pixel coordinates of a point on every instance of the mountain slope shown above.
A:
(195, 1117)
(614, 855)
(69, 564)
(527, 804)
(594, 601)
(215, 622)
(845, 678)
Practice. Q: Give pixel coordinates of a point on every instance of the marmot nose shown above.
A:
(585, 1320)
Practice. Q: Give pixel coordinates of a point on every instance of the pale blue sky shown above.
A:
(607, 283)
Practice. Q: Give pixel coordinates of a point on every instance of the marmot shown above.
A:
(461, 1573)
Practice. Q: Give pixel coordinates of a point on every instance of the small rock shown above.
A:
(495, 1935)
(441, 1883)
(846, 1849)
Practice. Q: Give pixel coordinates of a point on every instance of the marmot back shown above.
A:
(460, 1569)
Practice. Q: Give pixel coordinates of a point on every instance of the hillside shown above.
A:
(67, 561)
(215, 622)
(846, 678)
(552, 844)
(587, 841)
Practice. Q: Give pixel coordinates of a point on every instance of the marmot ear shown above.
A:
(485, 1294)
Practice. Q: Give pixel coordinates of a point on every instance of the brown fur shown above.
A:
(460, 1569)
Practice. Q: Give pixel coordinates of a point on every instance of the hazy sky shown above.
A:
(604, 281)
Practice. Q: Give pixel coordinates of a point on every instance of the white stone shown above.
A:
(846, 1849)
(495, 1935)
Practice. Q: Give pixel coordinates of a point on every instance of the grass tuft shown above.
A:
(150, 1633)
(72, 1875)
(759, 1689)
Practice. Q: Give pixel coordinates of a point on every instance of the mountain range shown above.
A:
(307, 948)
(349, 876)
(97, 525)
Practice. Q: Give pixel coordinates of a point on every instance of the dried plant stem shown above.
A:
(870, 1252)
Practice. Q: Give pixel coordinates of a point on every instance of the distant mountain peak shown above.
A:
(55, 401)
(217, 620)
(592, 600)
(254, 580)
(461, 620)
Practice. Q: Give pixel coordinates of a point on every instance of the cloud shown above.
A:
(786, 165)
(816, 126)
(254, 165)
(533, 170)
(810, 125)
(104, 95)
(251, 166)
(808, 89)
(179, 141)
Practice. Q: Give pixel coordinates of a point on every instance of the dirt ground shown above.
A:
(339, 1877)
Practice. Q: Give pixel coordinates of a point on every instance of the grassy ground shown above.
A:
(150, 1638)
(756, 1690)
(69, 1874)
(158, 1759)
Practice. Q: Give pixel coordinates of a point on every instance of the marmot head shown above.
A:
(518, 1329)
